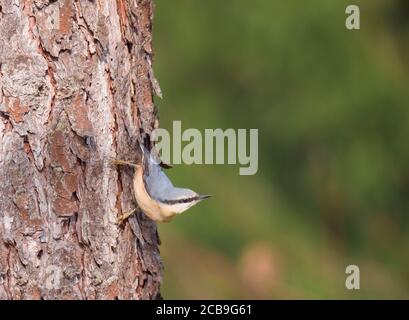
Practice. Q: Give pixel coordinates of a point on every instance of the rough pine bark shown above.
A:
(76, 88)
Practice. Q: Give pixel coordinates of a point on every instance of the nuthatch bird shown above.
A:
(154, 192)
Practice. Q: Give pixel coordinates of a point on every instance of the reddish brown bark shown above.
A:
(75, 90)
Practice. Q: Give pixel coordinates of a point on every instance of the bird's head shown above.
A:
(183, 199)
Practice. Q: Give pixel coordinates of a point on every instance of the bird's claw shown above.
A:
(124, 216)
(119, 162)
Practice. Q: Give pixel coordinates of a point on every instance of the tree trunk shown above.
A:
(76, 88)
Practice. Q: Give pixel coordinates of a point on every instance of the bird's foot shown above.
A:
(119, 162)
(124, 216)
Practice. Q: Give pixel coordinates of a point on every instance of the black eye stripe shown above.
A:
(185, 200)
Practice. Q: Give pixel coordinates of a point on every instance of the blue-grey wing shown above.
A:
(159, 185)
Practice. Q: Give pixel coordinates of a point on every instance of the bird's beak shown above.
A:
(205, 196)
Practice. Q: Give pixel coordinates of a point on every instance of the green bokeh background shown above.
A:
(331, 106)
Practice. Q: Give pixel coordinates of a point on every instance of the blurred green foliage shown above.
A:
(331, 106)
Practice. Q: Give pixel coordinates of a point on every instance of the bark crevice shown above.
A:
(74, 92)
